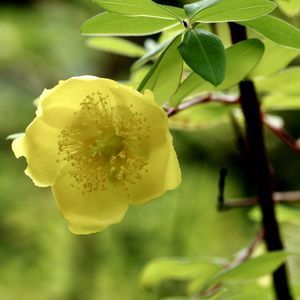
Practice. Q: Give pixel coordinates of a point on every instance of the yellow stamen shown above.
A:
(104, 144)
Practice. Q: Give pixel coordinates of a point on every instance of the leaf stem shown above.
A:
(228, 99)
(261, 168)
(283, 135)
(241, 257)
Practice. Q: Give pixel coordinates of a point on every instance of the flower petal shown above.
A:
(71, 92)
(163, 170)
(142, 103)
(39, 146)
(91, 211)
(18, 146)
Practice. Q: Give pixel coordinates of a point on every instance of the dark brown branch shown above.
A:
(223, 174)
(290, 197)
(260, 164)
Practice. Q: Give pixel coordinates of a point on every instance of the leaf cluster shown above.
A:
(193, 54)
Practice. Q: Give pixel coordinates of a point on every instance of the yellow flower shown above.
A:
(100, 146)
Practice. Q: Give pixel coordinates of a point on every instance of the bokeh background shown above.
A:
(40, 44)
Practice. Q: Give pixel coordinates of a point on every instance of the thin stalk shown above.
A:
(261, 170)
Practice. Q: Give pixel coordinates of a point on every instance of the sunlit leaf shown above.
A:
(247, 296)
(159, 270)
(275, 58)
(164, 77)
(150, 54)
(228, 10)
(200, 116)
(289, 7)
(194, 8)
(241, 59)
(113, 24)
(136, 76)
(204, 53)
(277, 30)
(285, 82)
(279, 101)
(116, 45)
(175, 10)
(135, 7)
(251, 269)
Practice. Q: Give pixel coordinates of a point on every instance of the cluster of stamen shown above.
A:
(103, 145)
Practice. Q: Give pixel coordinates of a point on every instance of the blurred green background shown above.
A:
(39, 257)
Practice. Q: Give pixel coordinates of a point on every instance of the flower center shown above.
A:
(108, 144)
(104, 145)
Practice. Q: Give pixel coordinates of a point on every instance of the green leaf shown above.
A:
(289, 7)
(135, 7)
(136, 76)
(164, 77)
(113, 24)
(245, 55)
(281, 102)
(286, 82)
(151, 54)
(179, 12)
(201, 116)
(251, 269)
(116, 45)
(204, 53)
(229, 10)
(178, 298)
(248, 296)
(159, 270)
(277, 30)
(192, 9)
(275, 58)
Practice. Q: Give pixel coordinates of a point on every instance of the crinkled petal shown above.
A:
(71, 92)
(162, 164)
(18, 146)
(141, 103)
(39, 146)
(163, 172)
(88, 212)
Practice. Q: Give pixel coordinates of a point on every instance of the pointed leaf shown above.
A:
(281, 102)
(201, 117)
(113, 24)
(277, 30)
(275, 58)
(116, 45)
(248, 296)
(179, 12)
(150, 54)
(286, 82)
(245, 54)
(251, 269)
(164, 77)
(229, 10)
(162, 269)
(204, 53)
(290, 7)
(135, 7)
(192, 9)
